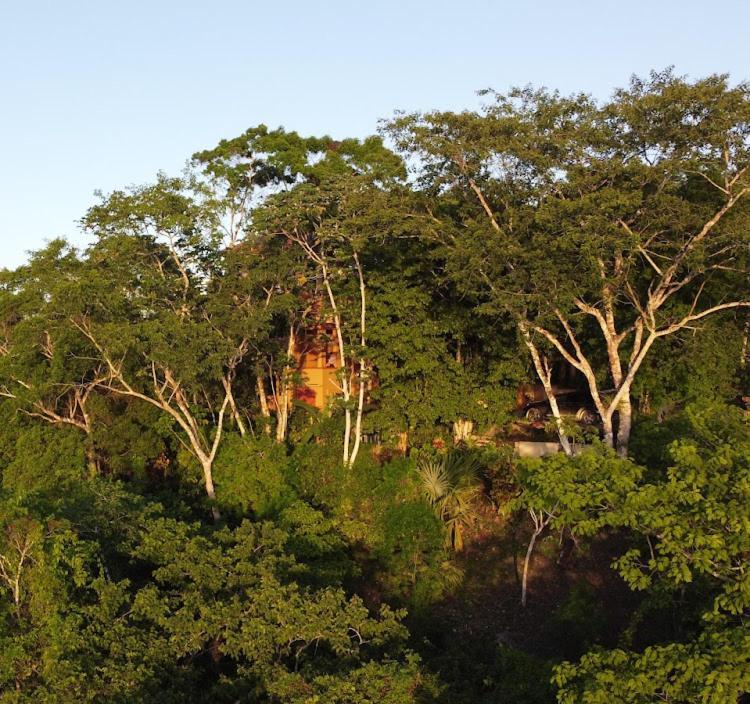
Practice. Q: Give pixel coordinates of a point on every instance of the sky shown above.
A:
(101, 95)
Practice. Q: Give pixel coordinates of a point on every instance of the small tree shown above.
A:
(451, 484)
(329, 215)
(574, 492)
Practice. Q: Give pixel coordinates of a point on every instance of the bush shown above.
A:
(411, 552)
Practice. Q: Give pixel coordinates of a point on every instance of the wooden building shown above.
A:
(318, 364)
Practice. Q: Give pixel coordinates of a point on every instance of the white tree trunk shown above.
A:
(236, 417)
(544, 373)
(343, 366)
(360, 407)
(208, 479)
(287, 389)
(462, 430)
(527, 562)
(624, 424)
(263, 399)
(362, 362)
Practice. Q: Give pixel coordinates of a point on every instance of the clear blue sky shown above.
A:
(104, 94)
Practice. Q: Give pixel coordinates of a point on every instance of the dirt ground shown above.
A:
(487, 604)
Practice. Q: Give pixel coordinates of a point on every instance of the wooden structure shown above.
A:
(318, 364)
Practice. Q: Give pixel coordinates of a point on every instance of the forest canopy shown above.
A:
(261, 440)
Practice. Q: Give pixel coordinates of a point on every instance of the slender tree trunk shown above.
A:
(282, 417)
(347, 434)
(462, 429)
(362, 362)
(644, 404)
(263, 399)
(345, 388)
(208, 478)
(285, 400)
(561, 433)
(91, 460)
(544, 373)
(234, 410)
(527, 562)
(358, 421)
(403, 441)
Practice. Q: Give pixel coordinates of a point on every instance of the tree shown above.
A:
(241, 595)
(329, 216)
(451, 484)
(599, 229)
(574, 493)
(693, 529)
(45, 372)
(143, 306)
(238, 175)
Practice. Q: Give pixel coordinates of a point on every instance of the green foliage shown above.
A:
(130, 439)
(481, 670)
(450, 484)
(680, 373)
(580, 492)
(411, 551)
(234, 595)
(580, 623)
(251, 476)
(138, 379)
(692, 528)
(43, 458)
(317, 472)
(713, 670)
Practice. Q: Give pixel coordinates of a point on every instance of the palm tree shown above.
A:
(450, 484)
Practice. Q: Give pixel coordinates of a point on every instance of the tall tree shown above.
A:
(144, 306)
(599, 229)
(329, 215)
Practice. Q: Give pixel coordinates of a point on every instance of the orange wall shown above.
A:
(318, 363)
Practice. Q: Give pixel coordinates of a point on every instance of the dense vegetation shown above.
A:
(177, 526)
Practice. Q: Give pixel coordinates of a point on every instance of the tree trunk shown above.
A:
(263, 398)
(625, 421)
(287, 389)
(403, 442)
(282, 416)
(347, 432)
(91, 460)
(362, 362)
(208, 477)
(561, 433)
(360, 408)
(544, 373)
(345, 388)
(234, 410)
(462, 430)
(527, 562)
